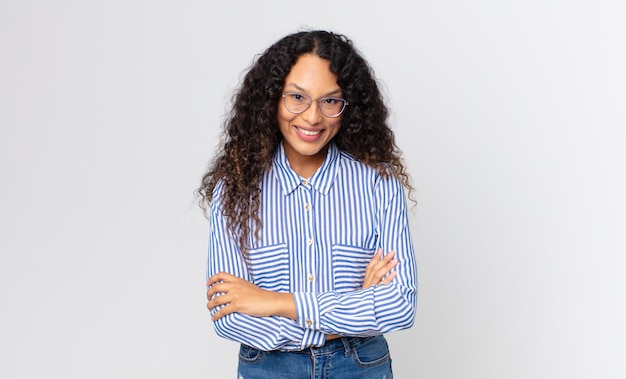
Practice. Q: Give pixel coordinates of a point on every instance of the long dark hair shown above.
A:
(241, 160)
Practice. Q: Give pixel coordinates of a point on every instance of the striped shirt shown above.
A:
(317, 238)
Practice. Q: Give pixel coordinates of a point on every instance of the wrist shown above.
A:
(285, 305)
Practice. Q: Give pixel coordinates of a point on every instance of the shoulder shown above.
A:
(218, 196)
(358, 169)
(347, 162)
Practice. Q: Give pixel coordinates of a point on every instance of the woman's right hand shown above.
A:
(379, 270)
(240, 296)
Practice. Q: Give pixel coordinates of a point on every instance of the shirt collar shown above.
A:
(321, 181)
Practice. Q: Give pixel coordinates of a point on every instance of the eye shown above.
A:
(330, 101)
(297, 97)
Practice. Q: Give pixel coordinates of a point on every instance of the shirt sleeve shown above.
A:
(264, 333)
(376, 309)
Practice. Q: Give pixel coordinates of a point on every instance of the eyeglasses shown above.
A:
(329, 106)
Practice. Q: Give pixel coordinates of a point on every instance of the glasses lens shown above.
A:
(296, 102)
(332, 106)
(329, 106)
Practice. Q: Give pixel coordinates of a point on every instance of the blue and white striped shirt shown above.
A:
(318, 236)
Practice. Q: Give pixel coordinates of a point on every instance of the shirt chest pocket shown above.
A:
(269, 266)
(349, 264)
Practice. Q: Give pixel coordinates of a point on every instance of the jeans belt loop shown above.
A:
(346, 345)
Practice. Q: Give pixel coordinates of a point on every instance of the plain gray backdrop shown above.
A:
(511, 115)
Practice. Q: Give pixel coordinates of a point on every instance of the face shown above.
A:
(306, 135)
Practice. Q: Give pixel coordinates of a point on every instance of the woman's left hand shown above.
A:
(239, 295)
(380, 269)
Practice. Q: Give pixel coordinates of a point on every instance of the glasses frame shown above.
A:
(319, 103)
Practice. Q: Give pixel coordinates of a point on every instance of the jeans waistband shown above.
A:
(343, 343)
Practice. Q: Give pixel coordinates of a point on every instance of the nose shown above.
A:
(313, 114)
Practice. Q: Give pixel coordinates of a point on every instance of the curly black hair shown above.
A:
(241, 160)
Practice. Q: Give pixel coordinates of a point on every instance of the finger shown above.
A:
(390, 255)
(213, 279)
(217, 301)
(379, 267)
(218, 288)
(220, 277)
(209, 294)
(387, 279)
(378, 254)
(225, 310)
(382, 271)
(219, 314)
(374, 263)
(376, 257)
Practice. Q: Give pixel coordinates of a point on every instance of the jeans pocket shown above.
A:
(372, 351)
(249, 355)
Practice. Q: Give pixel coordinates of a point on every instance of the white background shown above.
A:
(511, 115)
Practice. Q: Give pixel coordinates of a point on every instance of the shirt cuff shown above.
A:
(307, 310)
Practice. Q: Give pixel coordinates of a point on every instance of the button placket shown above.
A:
(309, 236)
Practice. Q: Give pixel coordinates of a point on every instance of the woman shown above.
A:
(310, 254)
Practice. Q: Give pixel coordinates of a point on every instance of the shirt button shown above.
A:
(307, 207)
(309, 241)
(306, 183)
(309, 322)
(311, 277)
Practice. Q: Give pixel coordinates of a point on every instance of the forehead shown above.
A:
(311, 73)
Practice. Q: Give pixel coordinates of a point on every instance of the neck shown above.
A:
(305, 165)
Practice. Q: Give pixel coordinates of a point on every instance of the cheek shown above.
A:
(284, 119)
(335, 126)
(284, 115)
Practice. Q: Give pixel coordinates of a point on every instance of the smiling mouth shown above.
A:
(308, 132)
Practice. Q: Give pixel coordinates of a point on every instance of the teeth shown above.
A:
(309, 132)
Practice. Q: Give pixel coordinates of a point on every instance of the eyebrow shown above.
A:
(331, 93)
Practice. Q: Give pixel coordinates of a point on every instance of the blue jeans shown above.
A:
(341, 358)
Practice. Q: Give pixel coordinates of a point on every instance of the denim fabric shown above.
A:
(343, 358)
